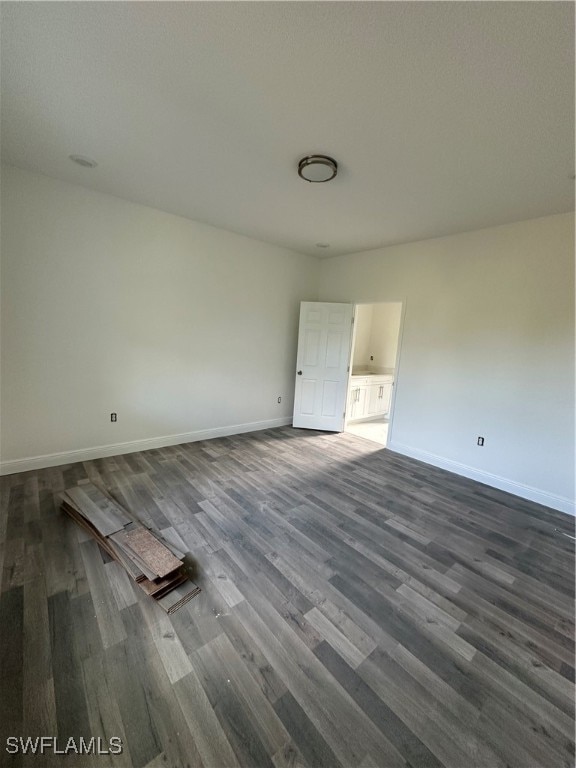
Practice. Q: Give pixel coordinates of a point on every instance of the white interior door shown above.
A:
(322, 365)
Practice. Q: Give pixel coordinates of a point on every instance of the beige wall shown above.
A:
(362, 331)
(179, 327)
(376, 335)
(383, 342)
(487, 349)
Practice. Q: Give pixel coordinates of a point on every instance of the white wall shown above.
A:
(109, 306)
(383, 342)
(487, 349)
(185, 330)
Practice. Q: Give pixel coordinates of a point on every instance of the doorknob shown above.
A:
(299, 373)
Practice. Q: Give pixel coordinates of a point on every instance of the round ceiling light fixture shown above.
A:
(85, 162)
(317, 168)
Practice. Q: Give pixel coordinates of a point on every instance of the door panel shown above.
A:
(311, 347)
(330, 399)
(338, 314)
(334, 350)
(313, 314)
(308, 397)
(324, 341)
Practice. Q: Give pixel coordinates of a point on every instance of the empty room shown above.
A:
(287, 385)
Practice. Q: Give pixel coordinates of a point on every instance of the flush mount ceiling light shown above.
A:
(317, 168)
(85, 162)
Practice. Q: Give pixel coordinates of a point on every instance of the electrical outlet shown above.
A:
(371, 357)
(113, 417)
(279, 399)
(480, 441)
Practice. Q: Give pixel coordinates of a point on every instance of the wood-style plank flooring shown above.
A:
(358, 608)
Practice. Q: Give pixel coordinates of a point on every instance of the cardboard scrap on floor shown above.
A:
(150, 559)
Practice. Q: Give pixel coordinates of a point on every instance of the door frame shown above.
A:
(397, 362)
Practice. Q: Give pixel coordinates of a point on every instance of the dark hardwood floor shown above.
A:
(358, 609)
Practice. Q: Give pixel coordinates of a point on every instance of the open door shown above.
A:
(324, 345)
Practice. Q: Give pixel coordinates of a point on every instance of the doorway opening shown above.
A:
(373, 370)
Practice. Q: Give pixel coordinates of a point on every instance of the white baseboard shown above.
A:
(561, 503)
(101, 451)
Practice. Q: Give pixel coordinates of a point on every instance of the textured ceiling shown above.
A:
(444, 117)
